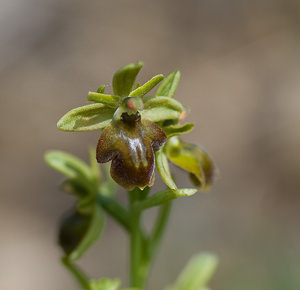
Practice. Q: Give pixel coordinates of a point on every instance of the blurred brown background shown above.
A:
(240, 64)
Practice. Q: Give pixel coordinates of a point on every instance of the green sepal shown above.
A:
(196, 273)
(86, 118)
(193, 159)
(163, 197)
(174, 130)
(105, 284)
(78, 232)
(158, 109)
(153, 102)
(168, 87)
(69, 165)
(109, 100)
(101, 89)
(163, 169)
(147, 87)
(124, 79)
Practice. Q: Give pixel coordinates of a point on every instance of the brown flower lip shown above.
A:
(130, 143)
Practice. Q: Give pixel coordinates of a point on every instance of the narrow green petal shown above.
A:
(109, 100)
(163, 169)
(196, 273)
(175, 130)
(86, 118)
(92, 234)
(124, 79)
(169, 85)
(148, 86)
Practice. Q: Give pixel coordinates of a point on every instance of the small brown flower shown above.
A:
(129, 142)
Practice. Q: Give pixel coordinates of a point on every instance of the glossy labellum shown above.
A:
(130, 142)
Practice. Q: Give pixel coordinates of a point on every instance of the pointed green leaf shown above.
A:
(68, 165)
(147, 87)
(161, 108)
(101, 89)
(174, 130)
(163, 197)
(93, 231)
(197, 272)
(86, 118)
(109, 100)
(163, 169)
(169, 85)
(193, 159)
(105, 284)
(124, 79)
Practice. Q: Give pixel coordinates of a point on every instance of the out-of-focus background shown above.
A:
(240, 65)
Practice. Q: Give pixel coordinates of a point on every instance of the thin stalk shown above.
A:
(159, 228)
(116, 210)
(139, 262)
(77, 273)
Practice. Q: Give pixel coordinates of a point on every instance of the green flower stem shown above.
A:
(116, 210)
(159, 228)
(143, 249)
(82, 279)
(139, 258)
